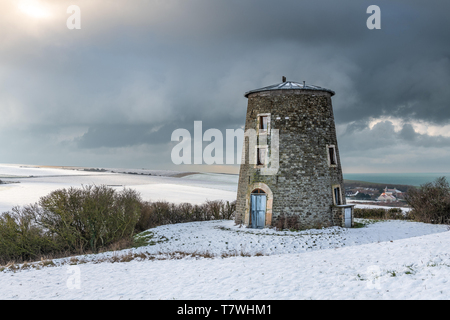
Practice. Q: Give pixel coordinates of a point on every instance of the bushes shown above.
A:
(158, 213)
(89, 219)
(21, 238)
(69, 221)
(431, 202)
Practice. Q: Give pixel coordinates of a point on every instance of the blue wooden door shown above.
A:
(348, 217)
(258, 210)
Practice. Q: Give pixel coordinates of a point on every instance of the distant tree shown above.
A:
(361, 196)
(430, 202)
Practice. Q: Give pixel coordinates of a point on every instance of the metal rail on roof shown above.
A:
(289, 85)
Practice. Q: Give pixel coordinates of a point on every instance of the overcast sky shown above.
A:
(111, 93)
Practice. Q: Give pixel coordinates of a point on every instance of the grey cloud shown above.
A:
(407, 133)
(138, 66)
(383, 136)
(113, 136)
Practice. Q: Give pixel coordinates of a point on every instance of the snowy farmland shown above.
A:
(153, 185)
(220, 260)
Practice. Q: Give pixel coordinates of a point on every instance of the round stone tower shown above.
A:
(290, 174)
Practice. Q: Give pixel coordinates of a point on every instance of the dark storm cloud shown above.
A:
(121, 135)
(112, 136)
(399, 70)
(138, 70)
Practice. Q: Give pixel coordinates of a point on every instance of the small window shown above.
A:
(261, 155)
(337, 195)
(332, 156)
(263, 124)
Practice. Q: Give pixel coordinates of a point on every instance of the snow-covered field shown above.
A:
(369, 206)
(161, 185)
(385, 260)
(219, 260)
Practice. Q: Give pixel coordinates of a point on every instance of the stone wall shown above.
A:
(304, 183)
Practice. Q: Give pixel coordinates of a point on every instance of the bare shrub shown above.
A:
(186, 211)
(69, 221)
(147, 219)
(161, 210)
(91, 217)
(158, 213)
(198, 212)
(213, 209)
(228, 210)
(430, 202)
(21, 238)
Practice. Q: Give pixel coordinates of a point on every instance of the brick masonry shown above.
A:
(303, 185)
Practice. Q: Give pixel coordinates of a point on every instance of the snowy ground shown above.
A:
(384, 260)
(362, 205)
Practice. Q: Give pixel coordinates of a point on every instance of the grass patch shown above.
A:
(359, 224)
(147, 238)
(381, 214)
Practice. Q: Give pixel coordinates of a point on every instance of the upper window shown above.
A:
(332, 161)
(262, 147)
(263, 121)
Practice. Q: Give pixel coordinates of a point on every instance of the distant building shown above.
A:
(386, 197)
(350, 193)
(392, 191)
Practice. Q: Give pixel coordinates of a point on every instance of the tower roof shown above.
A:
(289, 85)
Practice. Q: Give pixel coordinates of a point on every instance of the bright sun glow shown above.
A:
(34, 8)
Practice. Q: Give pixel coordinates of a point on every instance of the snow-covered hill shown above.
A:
(219, 260)
(384, 260)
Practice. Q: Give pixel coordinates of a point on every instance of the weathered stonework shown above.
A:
(306, 178)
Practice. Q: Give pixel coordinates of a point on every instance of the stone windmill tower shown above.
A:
(291, 164)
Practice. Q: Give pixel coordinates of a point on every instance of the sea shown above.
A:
(413, 179)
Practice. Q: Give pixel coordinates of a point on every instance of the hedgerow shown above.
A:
(89, 220)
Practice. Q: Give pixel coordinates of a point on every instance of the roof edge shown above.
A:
(290, 85)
